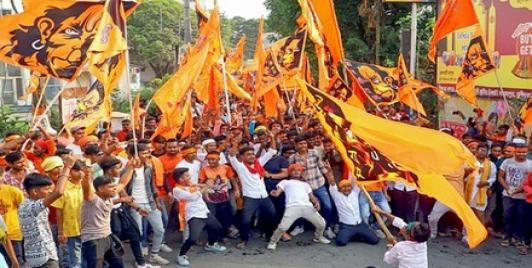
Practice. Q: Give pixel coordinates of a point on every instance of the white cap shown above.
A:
(518, 140)
(208, 141)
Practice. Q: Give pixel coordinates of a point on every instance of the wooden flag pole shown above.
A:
(227, 103)
(129, 95)
(503, 96)
(43, 87)
(377, 216)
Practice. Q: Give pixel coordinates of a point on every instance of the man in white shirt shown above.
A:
(190, 162)
(300, 203)
(251, 173)
(351, 225)
(78, 132)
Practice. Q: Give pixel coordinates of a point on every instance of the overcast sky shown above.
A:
(243, 8)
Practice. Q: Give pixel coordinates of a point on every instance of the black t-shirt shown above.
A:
(276, 164)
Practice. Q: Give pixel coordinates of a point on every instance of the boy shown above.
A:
(197, 215)
(10, 199)
(300, 203)
(411, 253)
(97, 243)
(69, 215)
(40, 249)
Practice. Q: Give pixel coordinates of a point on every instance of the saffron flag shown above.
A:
(456, 14)
(94, 107)
(232, 85)
(327, 16)
(340, 90)
(172, 121)
(37, 88)
(137, 112)
(288, 53)
(107, 51)
(374, 149)
(379, 84)
(406, 94)
(174, 90)
(477, 62)
(235, 58)
(52, 37)
(201, 14)
(259, 61)
(526, 112)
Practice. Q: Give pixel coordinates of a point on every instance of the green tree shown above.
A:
(248, 27)
(154, 34)
(10, 123)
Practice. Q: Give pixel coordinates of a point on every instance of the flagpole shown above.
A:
(503, 96)
(377, 216)
(228, 106)
(130, 97)
(144, 119)
(43, 87)
(290, 106)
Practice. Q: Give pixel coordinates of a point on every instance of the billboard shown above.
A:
(507, 28)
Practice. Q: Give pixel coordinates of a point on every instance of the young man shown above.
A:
(478, 183)
(251, 173)
(315, 172)
(170, 161)
(78, 132)
(126, 128)
(42, 148)
(300, 203)
(412, 252)
(219, 178)
(190, 161)
(10, 200)
(69, 215)
(142, 189)
(197, 215)
(351, 225)
(18, 170)
(512, 175)
(122, 224)
(93, 153)
(97, 244)
(39, 247)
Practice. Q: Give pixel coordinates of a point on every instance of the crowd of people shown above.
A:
(71, 200)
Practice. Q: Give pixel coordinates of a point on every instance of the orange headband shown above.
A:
(343, 183)
(12, 138)
(189, 151)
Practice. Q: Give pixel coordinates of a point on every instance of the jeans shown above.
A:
(291, 214)
(359, 232)
(156, 222)
(527, 234)
(404, 204)
(74, 251)
(264, 207)
(223, 213)
(514, 215)
(378, 198)
(125, 227)
(95, 252)
(278, 202)
(62, 250)
(196, 225)
(322, 194)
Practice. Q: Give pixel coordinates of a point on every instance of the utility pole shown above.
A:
(378, 11)
(413, 39)
(187, 27)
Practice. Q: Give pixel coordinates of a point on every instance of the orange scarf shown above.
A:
(183, 205)
(482, 193)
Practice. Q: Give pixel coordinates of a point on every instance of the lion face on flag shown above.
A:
(90, 103)
(56, 42)
(477, 61)
(382, 86)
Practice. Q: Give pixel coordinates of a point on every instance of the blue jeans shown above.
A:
(380, 201)
(514, 215)
(156, 223)
(18, 246)
(326, 210)
(360, 232)
(264, 208)
(74, 251)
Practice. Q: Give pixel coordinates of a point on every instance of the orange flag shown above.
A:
(259, 60)
(201, 14)
(235, 59)
(41, 38)
(477, 62)
(136, 113)
(406, 94)
(173, 121)
(456, 14)
(526, 112)
(327, 16)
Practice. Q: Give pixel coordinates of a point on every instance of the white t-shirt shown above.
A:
(195, 207)
(408, 254)
(347, 206)
(193, 169)
(76, 149)
(138, 191)
(252, 184)
(516, 173)
(296, 193)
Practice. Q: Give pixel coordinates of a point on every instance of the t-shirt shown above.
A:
(39, 246)
(195, 206)
(296, 193)
(169, 164)
(516, 173)
(193, 169)
(276, 164)
(76, 149)
(95, 219)
(138, 190)
(11, 198)
(70, 206)
(220, 177)
(408, 254)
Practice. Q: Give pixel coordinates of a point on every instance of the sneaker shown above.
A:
(464, 240)
(272, 246)
(433, 235)
(380, 234)
(216, 248)
(147, 266)
(322, 240)
(165, 248)
(183, 260)
(144, 251)
(155, 258)
(297, 231)
(329, 233)
(505, 242)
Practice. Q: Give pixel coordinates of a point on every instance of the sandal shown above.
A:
(523, 250)
(505, 243)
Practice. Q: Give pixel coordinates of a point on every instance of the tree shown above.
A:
(248, 27)
(154, 34)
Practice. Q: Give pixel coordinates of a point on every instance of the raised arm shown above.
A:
(126, 177)
(59, 189)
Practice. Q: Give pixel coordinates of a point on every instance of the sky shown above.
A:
(244, 8)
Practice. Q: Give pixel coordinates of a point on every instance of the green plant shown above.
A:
(11, 123)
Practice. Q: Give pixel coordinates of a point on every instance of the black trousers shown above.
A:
(360, 232)
(196, 226)
(123, 226)
(404, 204)
(223, 213)
(95, 252)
